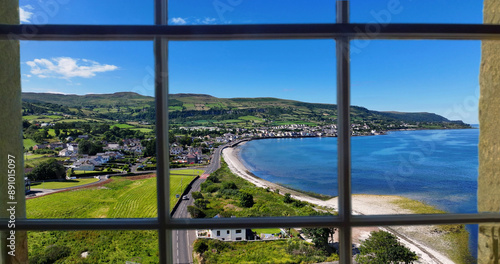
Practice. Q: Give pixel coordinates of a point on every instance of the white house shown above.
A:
(72, 147)
(228, 234)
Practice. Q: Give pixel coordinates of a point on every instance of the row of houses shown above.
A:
(88, 163)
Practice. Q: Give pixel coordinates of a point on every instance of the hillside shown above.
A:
(201, 109)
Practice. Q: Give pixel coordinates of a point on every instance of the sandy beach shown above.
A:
(423, 240)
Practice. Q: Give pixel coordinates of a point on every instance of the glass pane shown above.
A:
(269, 245)
(429, 244)
(137, 246)
(90, 12)
(251, 12)
(421, 96)
(89, 129)
(228, 94)
(384, 12)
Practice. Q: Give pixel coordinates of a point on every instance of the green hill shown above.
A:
(202, 109)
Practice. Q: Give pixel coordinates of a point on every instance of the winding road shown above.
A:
(183, 239)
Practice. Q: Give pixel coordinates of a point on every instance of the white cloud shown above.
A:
(27, 75)
(178, 21)
(24, 14)
(193, 21)
(208, 20)
(66, 68)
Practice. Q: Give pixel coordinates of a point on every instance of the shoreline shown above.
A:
(412, 237)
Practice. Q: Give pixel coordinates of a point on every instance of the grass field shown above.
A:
(279, 251)
(266, 230)
(250, 118)
(31, 163)
(63, 184)
(30, 117)
(27, 143)
(79, 172)
(122, 198)
(143, 129)
(122, 126)
(186, 172)
(33, 156)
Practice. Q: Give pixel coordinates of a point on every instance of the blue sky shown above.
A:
(414, 76)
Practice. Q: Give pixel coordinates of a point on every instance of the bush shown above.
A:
(287, 198)
(229, 185)
(213, 178)
(195, 212)
(384, 247)
(50, 169)
(246, 200)
(51, 254)
(197, 195)
(200, 246)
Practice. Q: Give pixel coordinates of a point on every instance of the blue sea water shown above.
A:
(438, 167)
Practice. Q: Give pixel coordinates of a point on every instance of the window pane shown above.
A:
(250, 12)
(137, 246)
(93, 12)
(414, 90)
(229, 93)
(430, 244)
(407, 11)
(89, 129)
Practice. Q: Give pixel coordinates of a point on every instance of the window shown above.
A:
(162, 33)
(238, 231)
(227, 232)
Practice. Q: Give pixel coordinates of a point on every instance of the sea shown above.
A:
(438, 167)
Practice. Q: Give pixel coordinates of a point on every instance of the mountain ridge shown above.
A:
(190, 107)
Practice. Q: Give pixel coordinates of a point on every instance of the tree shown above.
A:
(195, 212)
(89, 147)
(287, 198)
(150, 147)
(246, 200)
(383, 247)
(319, 236)
(48, 170)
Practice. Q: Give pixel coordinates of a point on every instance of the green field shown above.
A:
(279, 251)
(186, 172)
(52, 132)
(232, 121)
(27, 143)
(122, 126)
(121, 198)
(266, 230)
(143, 129)
(30, 117)
(79, 172)
(33, 156)
(31, 163)
(62, 184)
(251, 118)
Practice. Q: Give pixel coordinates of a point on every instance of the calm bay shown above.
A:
(438, 167)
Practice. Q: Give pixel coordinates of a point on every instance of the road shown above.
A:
(183, 239)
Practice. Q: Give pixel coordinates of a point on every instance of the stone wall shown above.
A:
(489, 140)
(11, 135)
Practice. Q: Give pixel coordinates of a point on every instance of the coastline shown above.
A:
(420, 239)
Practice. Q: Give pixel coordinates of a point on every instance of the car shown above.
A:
(185, 197)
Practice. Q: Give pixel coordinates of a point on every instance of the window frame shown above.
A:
(161, 33)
